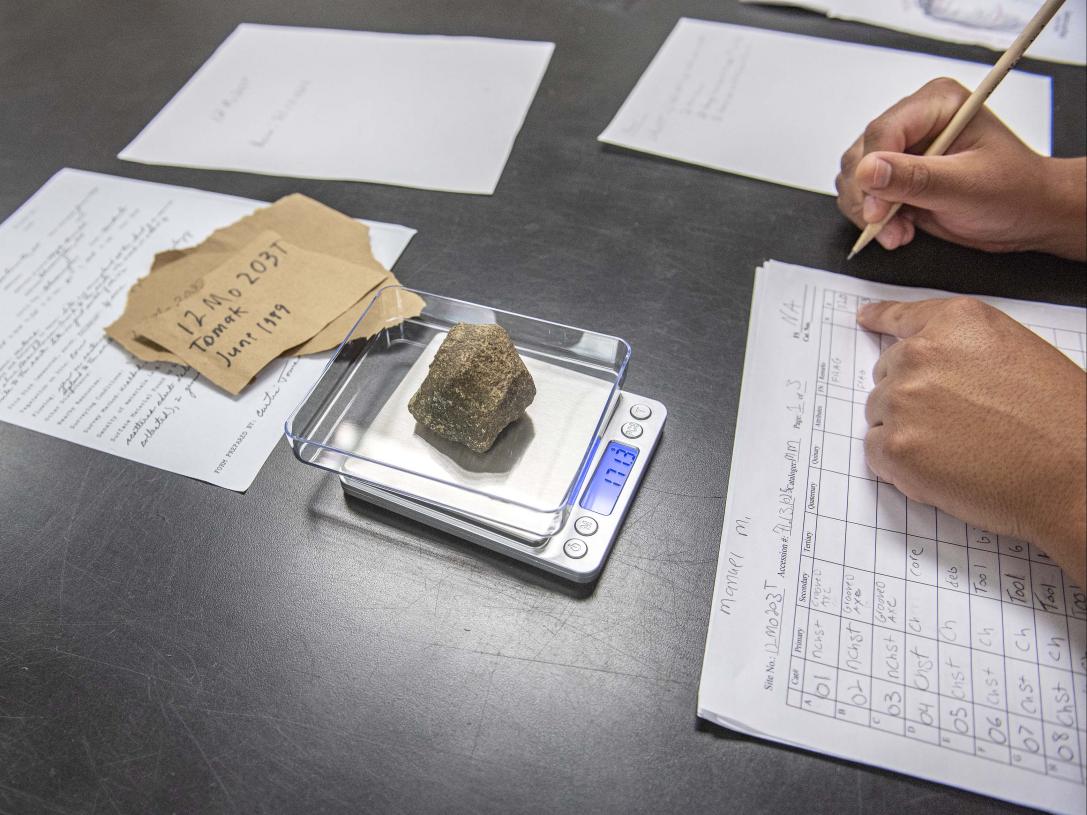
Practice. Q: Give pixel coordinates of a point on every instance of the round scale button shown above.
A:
(631, 430)
(575, 548)
(642, 412)
(585, 525)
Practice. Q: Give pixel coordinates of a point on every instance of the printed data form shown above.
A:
(850, 620)
(67, 259)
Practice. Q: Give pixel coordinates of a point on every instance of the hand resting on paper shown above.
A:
(989, 191)
(974, 413)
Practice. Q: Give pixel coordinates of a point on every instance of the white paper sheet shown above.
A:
(853, 622)
(990, 23)
(67, 259)
(782, 107)
(440, 113)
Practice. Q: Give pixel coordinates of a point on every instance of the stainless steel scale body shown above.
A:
(578, 550)
(553, 490)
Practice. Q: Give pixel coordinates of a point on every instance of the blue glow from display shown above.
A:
(608, 480)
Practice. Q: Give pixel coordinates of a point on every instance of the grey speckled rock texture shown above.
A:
(476, 386)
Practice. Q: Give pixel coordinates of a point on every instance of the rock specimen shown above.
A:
(477, 385)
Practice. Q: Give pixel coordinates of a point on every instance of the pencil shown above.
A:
(972, 105)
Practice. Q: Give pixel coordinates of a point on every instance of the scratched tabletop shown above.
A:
(169, 646)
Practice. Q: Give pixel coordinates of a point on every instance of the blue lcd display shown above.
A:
(608, 480)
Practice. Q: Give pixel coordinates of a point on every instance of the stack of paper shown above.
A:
(289, 279)
(67, 257)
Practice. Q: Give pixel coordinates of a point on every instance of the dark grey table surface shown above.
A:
(166, 645)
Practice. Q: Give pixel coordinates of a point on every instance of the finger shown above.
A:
(897, 318)
(875, 209)
(896, 232)
(912, 123)
(851, 156)
(849, 200)
(929, 182)
(873, 452)
(850, 197)
(882, 367)
(876, 405)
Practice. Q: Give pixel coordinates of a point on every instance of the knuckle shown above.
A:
(897, 446)
(910, 392)
(894, 401)
(948, 87)
(875, 131)
(871, 405)
(849, 206)
(900, 356)
(915, 351)
(871, 448)
(967, 307)
(918, 179)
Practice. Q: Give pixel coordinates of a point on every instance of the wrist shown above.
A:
(1062, 214)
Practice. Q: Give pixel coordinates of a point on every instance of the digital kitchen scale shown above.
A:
(553, 490)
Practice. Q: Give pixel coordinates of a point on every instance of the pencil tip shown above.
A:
(850, 255)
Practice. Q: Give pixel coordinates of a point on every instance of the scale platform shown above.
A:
(553, 490)
(578, 549)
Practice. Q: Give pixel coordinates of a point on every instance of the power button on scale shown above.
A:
(631, 430)
(575, 548)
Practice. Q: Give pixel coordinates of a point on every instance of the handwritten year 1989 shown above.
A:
(206, 333)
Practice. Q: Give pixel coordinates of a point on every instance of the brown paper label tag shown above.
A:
(177, 273)
(268, 297)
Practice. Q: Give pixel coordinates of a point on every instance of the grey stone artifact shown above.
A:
(476, 386)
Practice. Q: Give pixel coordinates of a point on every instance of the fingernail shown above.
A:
(871, 207)
(881, 174)
(865, 310)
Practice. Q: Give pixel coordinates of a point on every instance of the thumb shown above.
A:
(899, 319)
(928, 182)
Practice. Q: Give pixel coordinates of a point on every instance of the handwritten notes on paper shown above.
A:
(267, 298)
(735, 99)
(67, 257)
(438, 113)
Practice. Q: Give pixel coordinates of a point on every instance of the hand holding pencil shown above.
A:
(982, 187)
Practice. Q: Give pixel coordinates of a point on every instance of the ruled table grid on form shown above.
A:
(913, 623)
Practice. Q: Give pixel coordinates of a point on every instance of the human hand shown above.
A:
(976, 414)
(989, 190)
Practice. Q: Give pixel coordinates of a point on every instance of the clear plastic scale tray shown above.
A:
(355, 421)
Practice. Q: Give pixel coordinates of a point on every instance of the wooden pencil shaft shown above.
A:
(996, 74)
